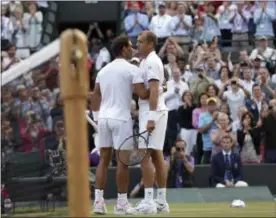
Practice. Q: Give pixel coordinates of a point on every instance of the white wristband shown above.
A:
(95, 115)
(152, 115)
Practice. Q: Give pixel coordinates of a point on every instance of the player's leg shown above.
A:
(147, 205)
(122, 130)
(158, 139)
(105, 143)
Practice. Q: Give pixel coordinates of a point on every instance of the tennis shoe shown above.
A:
(121, 208)
(144, 207)
(100, 207)
(162, 206)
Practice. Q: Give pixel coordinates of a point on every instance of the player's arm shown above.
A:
(96, 98)
(153, 94)
(141, 91)
(138, 84)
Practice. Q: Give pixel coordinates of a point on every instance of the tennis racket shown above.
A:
(129, 153)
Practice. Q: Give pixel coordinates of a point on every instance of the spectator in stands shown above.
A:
(8, 143)
(240, 20)
(103, 57)
(236, 124)
(263, 18)
(211, 28)
(249, 140)
(135, 22)
(181, 24)
(213, 92)
(201, 82)
(7, 27)
(224, 14)
(254, 105)
(32, 133)
(207, 123)
(160, 24)
(263, 51)
(172, 8)
(57, 110)
(21, 34)
(175, 90)
(223, 127)
(224, 76)
(11, 58)
(247, 81)
(235, 97)
(149, 10)
(171, 64)
(267, 87)
(35, 19)
(268, 128)
(181, 167)
(170, 47)
(197, 30)
(226, 166)
(185, 120)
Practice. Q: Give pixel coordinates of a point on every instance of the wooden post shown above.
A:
(74, 91)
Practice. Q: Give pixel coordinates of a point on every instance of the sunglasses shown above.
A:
(179, 149)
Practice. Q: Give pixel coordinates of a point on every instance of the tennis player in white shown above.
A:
(153, 116)
(112, 97)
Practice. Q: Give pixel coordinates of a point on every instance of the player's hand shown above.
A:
(150, 126)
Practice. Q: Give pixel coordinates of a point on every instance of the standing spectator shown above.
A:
(176, 88)
(135, 22)
(213, 92)
(185, 119)
(268, 128)
(211, 28)
(249, 140)
(224, 76)
(247, 81)
(224, 17)
(181, 24)
(267, 86)
(263, 51)
(11, 58)
(171, 64)
(255, 104)
(263, 18)
(197, 29)
(206, 125)
(235, 97)
(21, 34)
(212, 68)
(223, 128)
(149, 10)
(35, 19)
(7, 28)
(160, 24)
(240, 21)
(226, 166)
(103, 57)
(236, 124)
(172, 8)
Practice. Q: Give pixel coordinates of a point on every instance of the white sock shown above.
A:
(161, 194)
(98, 194)
(149, 193)
(122, 197)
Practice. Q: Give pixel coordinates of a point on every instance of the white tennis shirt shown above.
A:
(116, 81)
(152, 68)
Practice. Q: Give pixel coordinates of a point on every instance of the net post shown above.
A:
(74, 91)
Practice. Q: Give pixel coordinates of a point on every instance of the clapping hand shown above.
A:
(229, 183)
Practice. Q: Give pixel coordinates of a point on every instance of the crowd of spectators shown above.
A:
(210, 92)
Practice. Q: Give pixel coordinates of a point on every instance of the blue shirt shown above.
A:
(263, 21)
(143, 24)
(210, 29)
(204, 119)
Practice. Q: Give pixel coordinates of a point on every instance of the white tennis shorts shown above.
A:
(112, 133)
(157, 137)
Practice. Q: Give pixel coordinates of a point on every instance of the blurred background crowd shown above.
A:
(219, 60)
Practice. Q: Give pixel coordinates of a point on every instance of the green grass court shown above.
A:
(253, 209)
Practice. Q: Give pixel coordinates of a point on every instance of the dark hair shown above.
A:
(229, 72)
(185, 93)
(228, 108)
(255, 85)
(200, 96)
(215, 87)
(118, 44)
(151, 38)
(251, 117)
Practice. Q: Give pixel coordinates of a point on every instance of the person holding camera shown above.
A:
(268, 128)
(235, 96)
(32, 132)
(181, 167)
